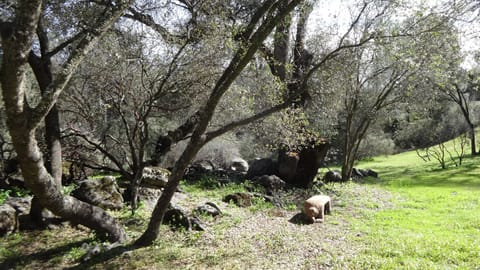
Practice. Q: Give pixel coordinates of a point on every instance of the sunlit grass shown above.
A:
(435, 223)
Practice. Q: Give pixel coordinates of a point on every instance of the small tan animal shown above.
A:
(316, 207)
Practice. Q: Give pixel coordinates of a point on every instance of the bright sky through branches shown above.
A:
(334, 17)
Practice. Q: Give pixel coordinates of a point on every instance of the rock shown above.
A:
(74, 171)
(271, 183)
(155, 177)
(199, 169)
(357, 173)
(94, 250)
(103, 193)
(177, 218)
(240, 199)
(271, 199)
(332, 176)
(209, 208)
(261, 166)
(20, 204)
(8, 219)
(239, 165)
(149, 196)
(369, 173)
(361, 173)
(202, 166)
(197, 224)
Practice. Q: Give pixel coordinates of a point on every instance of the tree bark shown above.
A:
(472, 140)
(41, 67)
(22, 120)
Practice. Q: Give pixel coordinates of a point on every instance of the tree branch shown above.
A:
(148, 20)
(215, 133)
(83, 48)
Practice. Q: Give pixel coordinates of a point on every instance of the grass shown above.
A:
(435, 222)
(415, 216)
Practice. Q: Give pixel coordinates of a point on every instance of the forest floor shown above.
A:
(414, 217)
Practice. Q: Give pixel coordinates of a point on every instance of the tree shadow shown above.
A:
(463, 176)
(18, 260)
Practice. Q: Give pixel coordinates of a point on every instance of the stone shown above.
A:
(202, 166)
(103, 193)
(240, 199)
(332, 176)
(150, 196)
(239, 165)
(154, 177)
(362, 173)
(261, 166)
(370, 173)
(177, 218)
(20, 204)
(271, 183)
(197, 224)
(208, 208)
(356, 173)
(8, 219)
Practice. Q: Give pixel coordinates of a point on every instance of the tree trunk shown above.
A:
(311, 159)
(347, 167)
(135, 184)
(151, 233)
(42, 184)
(300, 169)
(241, 58)
(472, 140)
(22, 120)
(42, 69)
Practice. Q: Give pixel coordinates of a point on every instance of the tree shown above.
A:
(116, 123)
(458, 90)
(23, 119)
(264, 19)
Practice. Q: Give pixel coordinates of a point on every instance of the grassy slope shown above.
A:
(435, 223)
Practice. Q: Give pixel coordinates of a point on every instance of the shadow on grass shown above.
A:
(299, 219)
(18, 260)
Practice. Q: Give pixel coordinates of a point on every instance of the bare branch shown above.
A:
(213, 134)
(148, 20)
(85, 45)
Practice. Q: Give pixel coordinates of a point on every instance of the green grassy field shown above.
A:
(435, 221)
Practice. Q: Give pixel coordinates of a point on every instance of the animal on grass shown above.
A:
(316, 207)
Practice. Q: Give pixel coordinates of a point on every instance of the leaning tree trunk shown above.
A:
(42, 184)
(243, 55)
(22, 120)
(41, 67)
